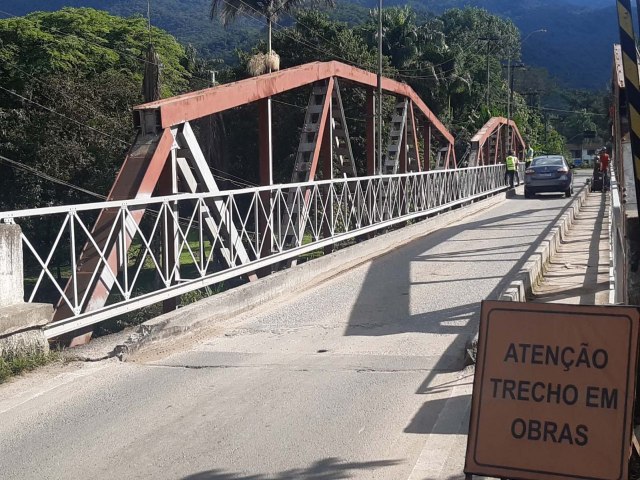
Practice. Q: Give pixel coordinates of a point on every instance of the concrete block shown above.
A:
(11, 279)
(31, 342)
(510, 295)
(519, 286)
(24, 316)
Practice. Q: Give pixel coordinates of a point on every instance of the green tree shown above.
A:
(69, 81)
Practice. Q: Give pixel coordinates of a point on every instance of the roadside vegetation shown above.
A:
(13, 366)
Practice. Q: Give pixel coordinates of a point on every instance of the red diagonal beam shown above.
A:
(415, 135)
(194, 105)
(137, 178)
(324, 119)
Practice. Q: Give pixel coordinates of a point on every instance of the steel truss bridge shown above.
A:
(167, 229)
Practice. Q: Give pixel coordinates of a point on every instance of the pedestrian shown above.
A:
(604, 167)
(512, 167)
(529, 157)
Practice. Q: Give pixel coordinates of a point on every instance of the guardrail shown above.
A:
(171, 245)
(617, 252)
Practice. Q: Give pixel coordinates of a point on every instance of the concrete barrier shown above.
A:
(532, 272)
(20, 323)
(222, 306)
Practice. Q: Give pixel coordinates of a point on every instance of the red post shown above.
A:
(266, 177)
(427, 146)
(414, 140)
(403, 160)
(446, 163)
(166, 186)
(326, 160)
(264, 128)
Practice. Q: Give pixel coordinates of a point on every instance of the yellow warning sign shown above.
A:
(553, 391)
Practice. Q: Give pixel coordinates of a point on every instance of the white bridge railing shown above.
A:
(157, 248)
(617, 250)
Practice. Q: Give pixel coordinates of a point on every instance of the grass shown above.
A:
(11, 367)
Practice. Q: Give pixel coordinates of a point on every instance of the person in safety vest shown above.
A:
(512, 167)
(529, 157)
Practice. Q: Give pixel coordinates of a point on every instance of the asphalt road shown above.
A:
(359, 377)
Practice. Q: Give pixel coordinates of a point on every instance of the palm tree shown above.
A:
(228, 10)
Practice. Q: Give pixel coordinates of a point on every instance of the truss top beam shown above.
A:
(490, 128)
(190, 106)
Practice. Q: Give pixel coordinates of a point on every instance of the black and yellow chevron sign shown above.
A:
(632, 81)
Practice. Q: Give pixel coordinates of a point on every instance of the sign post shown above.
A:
(553, 392)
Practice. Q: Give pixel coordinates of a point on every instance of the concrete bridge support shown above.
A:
(20, 323)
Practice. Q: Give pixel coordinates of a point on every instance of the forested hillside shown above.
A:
(575, 49)
(69, 79)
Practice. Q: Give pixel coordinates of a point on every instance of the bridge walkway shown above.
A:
(579, 272)
(354, 378)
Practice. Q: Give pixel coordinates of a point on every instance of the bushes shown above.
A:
(10, 367)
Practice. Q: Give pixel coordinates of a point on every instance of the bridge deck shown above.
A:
(579, 272)
(351, 379)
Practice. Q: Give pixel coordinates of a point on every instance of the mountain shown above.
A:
(576, 47)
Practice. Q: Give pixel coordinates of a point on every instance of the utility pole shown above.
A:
(488, 96)
(379, 87)
(546, 129)
(510, 78)
(508, 139)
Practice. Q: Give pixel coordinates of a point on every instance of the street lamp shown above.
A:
(541, 30)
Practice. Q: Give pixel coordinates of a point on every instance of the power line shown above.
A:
(241, 183)
(463, 48)
(560, 110)
(21, 166)
(283, 30)
(301, 107)
(316, 32)
(571, 111)
(230, 178)
(106, 134)
(64, 116)
(68, 97)
(37, 173)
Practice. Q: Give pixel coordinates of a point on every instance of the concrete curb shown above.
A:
(521, 286)
(223, 306)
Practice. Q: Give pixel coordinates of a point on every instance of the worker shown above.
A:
(512, 167)
(604, 167)
(529, 157)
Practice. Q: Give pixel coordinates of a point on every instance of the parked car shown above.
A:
(549, 173)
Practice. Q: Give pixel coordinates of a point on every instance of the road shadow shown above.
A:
(387, 311)
(325, 469)
(426, 420)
